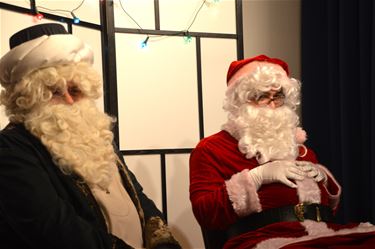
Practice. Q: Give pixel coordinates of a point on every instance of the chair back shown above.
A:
(214, 239)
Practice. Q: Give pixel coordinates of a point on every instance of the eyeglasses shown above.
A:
(265, 99)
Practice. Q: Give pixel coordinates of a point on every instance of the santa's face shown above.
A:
(265, 128)
(261, 105)
(271, 99)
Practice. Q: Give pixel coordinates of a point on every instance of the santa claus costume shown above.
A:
(227, 199)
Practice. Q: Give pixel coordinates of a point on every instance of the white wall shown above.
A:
(272, 27)
(158, 87)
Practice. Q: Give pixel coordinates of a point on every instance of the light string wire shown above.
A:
(160, 37)
(63, 10)
(154, 37)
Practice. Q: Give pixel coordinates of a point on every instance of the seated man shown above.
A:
(62, 182)
(255, 182)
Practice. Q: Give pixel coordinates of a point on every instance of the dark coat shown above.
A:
(41, 207)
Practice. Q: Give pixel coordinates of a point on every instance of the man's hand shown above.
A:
(312, 171)
(277, 171)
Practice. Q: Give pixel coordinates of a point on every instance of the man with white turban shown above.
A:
(62, 182)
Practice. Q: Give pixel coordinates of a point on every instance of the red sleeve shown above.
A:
(210, 202)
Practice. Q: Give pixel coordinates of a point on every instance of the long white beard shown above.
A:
(265, 133)
(79, 139)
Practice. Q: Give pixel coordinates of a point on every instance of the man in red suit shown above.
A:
(254, 182)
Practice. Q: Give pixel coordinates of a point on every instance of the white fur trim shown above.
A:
(253, 67)
(308, 191)
(301, 135)
(243, 194)
(334, 198)
(42, 52)
(315, 230)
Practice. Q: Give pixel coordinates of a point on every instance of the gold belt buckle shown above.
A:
(299, 211)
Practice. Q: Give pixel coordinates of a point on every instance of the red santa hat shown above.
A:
(237, 69)
(41, 46)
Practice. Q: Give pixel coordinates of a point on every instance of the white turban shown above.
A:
(41, 52)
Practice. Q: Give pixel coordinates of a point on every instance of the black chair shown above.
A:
(214, 239)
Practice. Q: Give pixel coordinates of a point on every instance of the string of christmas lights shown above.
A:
(39, 16)
(186, 35)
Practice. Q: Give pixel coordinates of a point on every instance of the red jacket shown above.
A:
(214, 161)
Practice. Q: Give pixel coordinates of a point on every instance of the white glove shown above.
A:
(312, 171)
(277, 171)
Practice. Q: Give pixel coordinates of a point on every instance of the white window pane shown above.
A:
(147, 170)
(213, 17)
(157, 93)
(180, 215)
(214, 73)
(131, 13)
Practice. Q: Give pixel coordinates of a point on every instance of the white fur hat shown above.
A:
(41, 46)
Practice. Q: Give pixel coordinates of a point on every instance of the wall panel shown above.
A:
(214, 80)
(157, 93)
(169, 93)
(180, 215)
(147, 170)
(214, 17)
(131, 13)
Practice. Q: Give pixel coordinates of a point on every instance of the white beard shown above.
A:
(265, 133)
(79, 139)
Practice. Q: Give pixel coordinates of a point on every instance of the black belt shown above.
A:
(298, 212)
